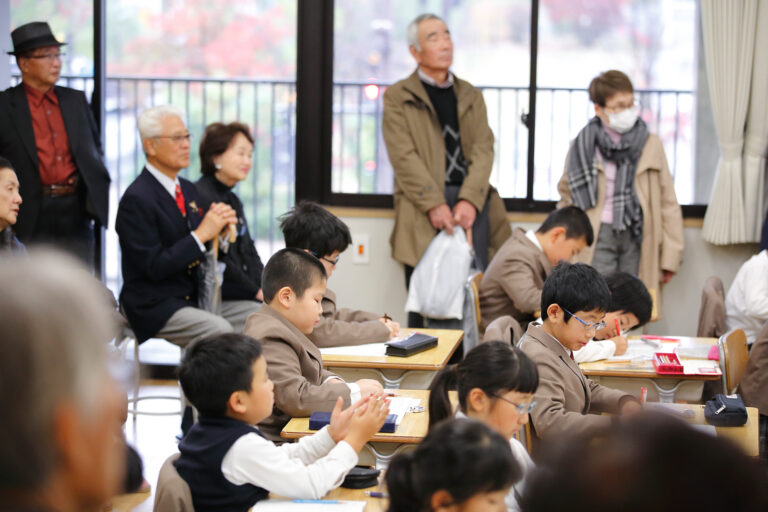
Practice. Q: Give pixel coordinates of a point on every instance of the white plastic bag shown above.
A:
(437, 282)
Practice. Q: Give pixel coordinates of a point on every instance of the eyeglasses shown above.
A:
(521, 408)
(178, 139)
(48, 56)
(618, 108)
(329, 260)
(588, 326)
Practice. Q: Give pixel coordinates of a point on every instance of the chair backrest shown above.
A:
(471, 320)
(172, 493)
(505, 328)
(474, 285)
(712, 311)
(733, 358)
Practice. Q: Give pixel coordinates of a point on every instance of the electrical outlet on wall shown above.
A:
(361, 248)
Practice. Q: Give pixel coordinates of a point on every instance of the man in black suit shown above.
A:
(50, 136)
(162, 232)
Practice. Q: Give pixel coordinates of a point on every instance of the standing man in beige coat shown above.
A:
(436, 130)
(617, 172)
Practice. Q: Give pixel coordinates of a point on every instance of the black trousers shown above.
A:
(64, 223)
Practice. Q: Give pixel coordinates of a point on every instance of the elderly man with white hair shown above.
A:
(436, 130)
(60, 443)
(162, 231)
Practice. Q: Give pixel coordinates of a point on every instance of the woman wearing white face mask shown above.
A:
(617, 172)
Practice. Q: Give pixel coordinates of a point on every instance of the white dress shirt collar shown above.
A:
(431, 81)
(531, 235)
(167, 183)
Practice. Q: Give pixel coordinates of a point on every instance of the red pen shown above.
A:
(618, 327)
(660, 338)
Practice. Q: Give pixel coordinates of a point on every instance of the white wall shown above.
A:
(380, 285)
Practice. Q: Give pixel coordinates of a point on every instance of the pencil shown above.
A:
(617, 361)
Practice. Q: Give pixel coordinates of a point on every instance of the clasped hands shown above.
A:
(463, 214)
(218, 217)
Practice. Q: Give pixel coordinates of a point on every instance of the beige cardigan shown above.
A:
(662, 245)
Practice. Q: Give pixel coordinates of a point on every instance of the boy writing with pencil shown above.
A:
(512, 283)
(294, 284)
(630, 307)
(311, 227)
(573, 303)
(227, 463)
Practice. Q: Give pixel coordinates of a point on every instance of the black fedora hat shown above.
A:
(32, 35)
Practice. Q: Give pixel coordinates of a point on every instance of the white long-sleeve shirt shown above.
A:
(595, 350)
(746, 304)
(305, 470)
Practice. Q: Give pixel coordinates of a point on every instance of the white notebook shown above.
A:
(274, 505)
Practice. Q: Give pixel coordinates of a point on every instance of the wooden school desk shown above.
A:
(391, 371)
(382, 446)
(342, 494)
(745, 436)
(631, 376)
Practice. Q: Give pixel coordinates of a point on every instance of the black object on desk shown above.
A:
(318, 420)
(413, 344)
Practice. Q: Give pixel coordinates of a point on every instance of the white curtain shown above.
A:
(728, 32)
(756, 140)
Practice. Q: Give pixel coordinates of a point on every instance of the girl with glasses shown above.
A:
(495, 384)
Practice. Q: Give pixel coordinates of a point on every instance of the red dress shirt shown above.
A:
(56, 162)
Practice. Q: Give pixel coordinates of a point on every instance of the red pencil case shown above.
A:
(667, 363)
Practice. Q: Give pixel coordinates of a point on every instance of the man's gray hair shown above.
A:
(150, 121)
(56, 325)
(412, 32)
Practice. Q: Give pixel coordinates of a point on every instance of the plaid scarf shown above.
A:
(582, 171)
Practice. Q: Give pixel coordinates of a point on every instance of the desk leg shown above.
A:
(383, 459)
(667, 396)
(392, 383)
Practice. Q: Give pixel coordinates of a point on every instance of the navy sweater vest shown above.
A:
(199, 464)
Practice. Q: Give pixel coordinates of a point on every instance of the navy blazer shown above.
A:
(17, 144)
(160, 256)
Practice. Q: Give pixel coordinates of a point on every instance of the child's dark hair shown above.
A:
(575, 287)
(462, 456)
(495, 367)
(310, 226)
(629, 294)
(293, 268)
(654, 462)
(215, 367)
(573, 219)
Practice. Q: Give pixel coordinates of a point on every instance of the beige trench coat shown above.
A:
(662, 245)
(416, 149)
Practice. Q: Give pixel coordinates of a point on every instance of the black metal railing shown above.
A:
(360, 163)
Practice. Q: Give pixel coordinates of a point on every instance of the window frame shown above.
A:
(314, 117)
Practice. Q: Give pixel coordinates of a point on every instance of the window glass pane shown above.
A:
(218, 60)
(652, 41)
(491, 50)
(71, 22)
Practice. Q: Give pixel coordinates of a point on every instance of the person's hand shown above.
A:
(218, 216)
(260, 295)
(366, 421)
(339, 426)
(621, 345)
(369, 387)
(441, 218)
(630, 408)
(464, 214)
(666, 276)
(394, 327)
